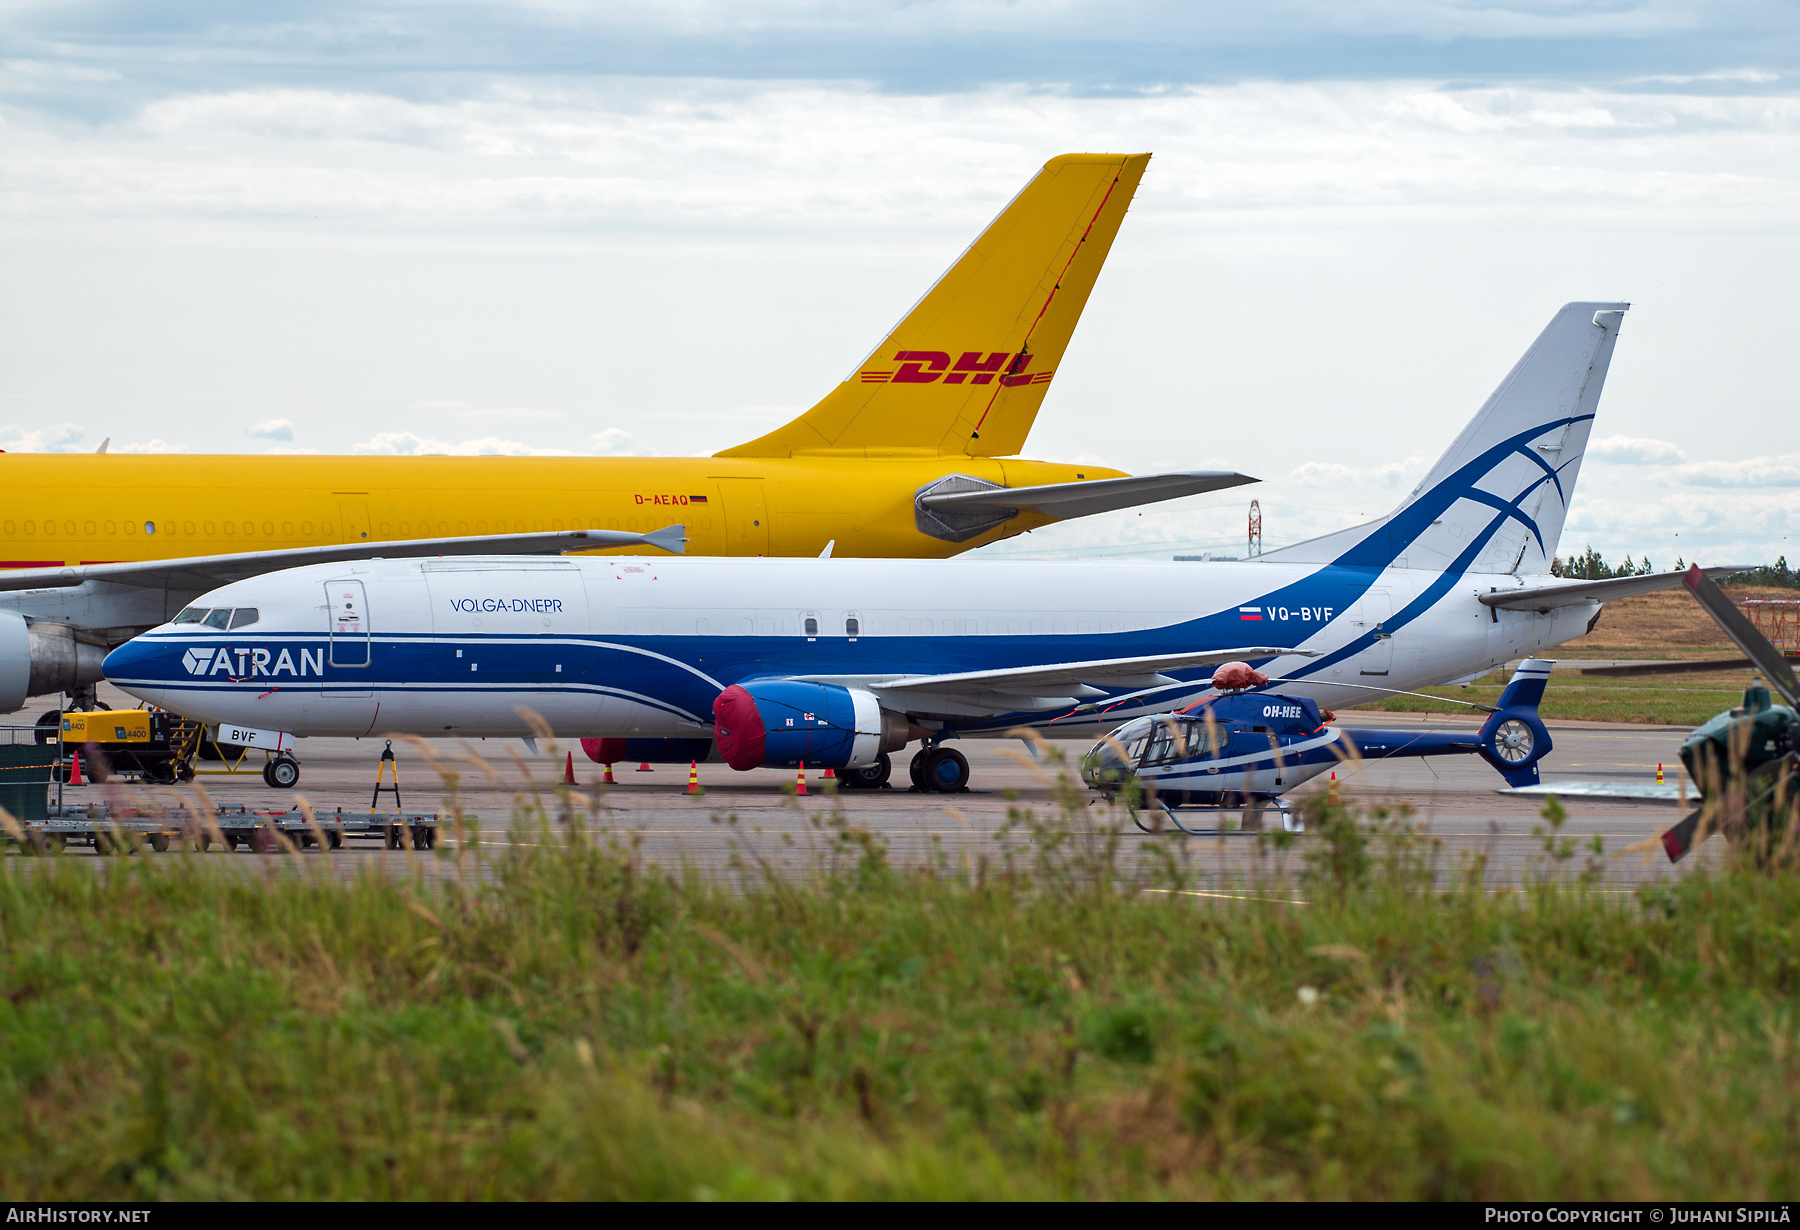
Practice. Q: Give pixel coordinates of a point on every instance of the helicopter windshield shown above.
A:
(1162, 740)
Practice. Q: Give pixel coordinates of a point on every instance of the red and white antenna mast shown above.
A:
(1255, 527)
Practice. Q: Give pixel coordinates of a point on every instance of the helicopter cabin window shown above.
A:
(852, 626)
(1170, 742)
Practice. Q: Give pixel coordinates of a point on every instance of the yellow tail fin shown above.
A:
(967, 369)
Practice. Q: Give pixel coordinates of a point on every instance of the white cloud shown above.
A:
(1394, 476)
(1633, 451)
(408, 444)
(150, 446)
(614, 442)
(671, 156)
(63, 438)
(281, 430)
(1783, 471)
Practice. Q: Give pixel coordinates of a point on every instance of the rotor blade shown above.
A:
(1755, 645)
(1677, 841)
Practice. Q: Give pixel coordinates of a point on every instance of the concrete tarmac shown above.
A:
(754, 819)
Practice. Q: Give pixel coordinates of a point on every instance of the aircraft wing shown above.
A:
(1084, 499)
(201, 573)
(1546, 597)
(1053, 686)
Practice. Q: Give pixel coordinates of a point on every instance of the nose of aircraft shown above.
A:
(139, 662)
(1105, 767)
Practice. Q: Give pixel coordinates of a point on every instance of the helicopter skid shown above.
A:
(1249, 818)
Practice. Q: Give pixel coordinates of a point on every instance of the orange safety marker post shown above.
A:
(608, 779)
(569, 770)
(800, 784)
(644, 767)
(693, 777)
(75, 770)
(1334, 785)
(1659, 780)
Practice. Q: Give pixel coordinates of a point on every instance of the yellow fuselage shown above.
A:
(59, 509)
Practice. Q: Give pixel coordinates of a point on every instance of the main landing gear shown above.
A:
(874, 777)
(942, 770)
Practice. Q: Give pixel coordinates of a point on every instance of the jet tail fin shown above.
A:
(965, 371)
(1496, 500)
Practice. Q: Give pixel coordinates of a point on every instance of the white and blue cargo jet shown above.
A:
(842, 662)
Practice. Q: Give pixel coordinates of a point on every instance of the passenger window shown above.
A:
(244, 616)
(812, 626)
(218, 619)
(191, 615)
(1197, 741)
(852, 627)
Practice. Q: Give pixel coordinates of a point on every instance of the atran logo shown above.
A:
(237, 664)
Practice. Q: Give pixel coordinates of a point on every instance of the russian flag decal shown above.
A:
(1249, 612)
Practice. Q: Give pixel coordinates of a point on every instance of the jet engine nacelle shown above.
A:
(781, 722)
(37, 659)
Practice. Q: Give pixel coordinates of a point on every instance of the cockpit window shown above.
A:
(1161, 740)
(244, 616)
(191, 615)
(220, 618)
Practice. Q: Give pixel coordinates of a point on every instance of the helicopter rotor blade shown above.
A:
(1677, 841)
(1755, 645)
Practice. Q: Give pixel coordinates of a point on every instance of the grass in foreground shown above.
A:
(1064, 1022)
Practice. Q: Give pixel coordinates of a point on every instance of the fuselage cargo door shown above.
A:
(356, 521)
(1371, 616)
(348, 622)
(746, 520)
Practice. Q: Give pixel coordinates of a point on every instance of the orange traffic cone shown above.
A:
(800, 785)
(1659, 780)
(693, 777)
(644, 767)
(569, 770)
(828, 774)
(75, 770)
(608, 779)
(1334, 785)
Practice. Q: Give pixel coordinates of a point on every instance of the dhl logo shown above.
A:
(930, 366)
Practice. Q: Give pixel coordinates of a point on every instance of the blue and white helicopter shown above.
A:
(1244, 747)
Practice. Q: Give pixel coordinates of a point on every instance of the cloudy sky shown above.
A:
(663, 228)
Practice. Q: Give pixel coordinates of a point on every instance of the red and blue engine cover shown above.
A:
(782, 722)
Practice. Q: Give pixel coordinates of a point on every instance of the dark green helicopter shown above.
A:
(1745, 761)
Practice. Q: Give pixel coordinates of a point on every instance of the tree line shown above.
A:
(1589, 566)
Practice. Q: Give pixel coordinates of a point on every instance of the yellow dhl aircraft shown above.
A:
(911, 456)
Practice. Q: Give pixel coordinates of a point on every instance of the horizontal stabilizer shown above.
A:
(1543, 598)
(201, 573)
(1065, 500)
